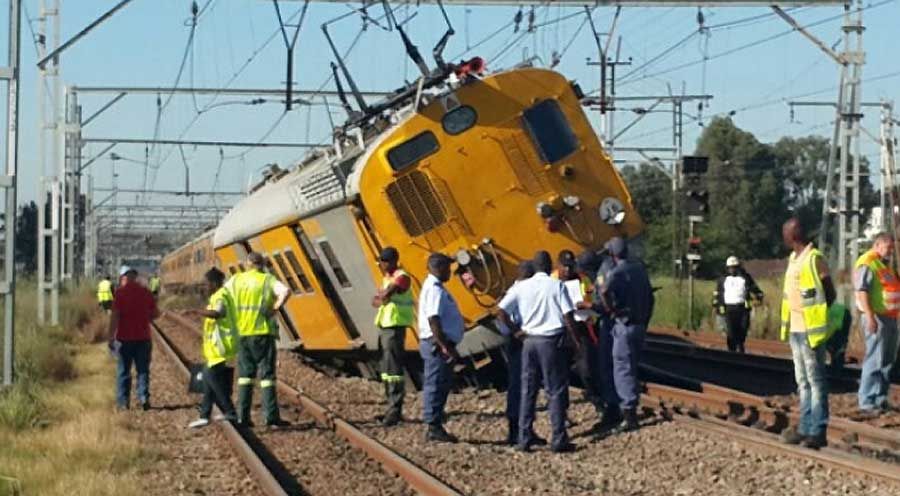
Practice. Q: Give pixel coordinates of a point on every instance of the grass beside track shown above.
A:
(672, 306)
(57, 427)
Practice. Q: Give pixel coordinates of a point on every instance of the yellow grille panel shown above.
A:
(416, 203)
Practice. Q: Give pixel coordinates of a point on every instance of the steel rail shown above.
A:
(827, 456)
(750, 409)
(263, 476)
(395, 463)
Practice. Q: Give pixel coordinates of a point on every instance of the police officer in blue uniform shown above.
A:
(513, 349)
(628, 298)
(547, 316)
(441, 328)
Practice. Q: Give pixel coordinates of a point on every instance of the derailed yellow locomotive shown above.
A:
(486, 170)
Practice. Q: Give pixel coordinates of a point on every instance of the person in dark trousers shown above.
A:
(395, 313)
(219, 347)
(513, 349)
(258, 297)
(587, 360)
(441, 328)
(547, 317)
(627, 297)
(133, 309)
(735, 292)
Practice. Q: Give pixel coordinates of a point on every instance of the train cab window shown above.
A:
(550, 131)
(298, 270)
(335, 265)
(412, 150)
(288, 276)
(459, 120)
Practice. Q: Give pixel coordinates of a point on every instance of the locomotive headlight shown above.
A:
(463, 257)
(545, 210)
(612, 211)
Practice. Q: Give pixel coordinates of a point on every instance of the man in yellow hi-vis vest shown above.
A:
(395, 313)
(808, 291)
(219, 348)
(105, 294)
(878, 299)
(257, 297)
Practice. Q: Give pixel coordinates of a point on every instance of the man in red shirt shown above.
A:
(129, 337)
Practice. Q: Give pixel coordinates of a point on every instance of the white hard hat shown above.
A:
(732, 261)
(125, 269)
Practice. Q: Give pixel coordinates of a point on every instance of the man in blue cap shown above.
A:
(628, 298)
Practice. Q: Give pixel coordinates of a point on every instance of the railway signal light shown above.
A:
(697, 202)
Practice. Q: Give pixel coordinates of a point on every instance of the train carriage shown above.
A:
(487, 171)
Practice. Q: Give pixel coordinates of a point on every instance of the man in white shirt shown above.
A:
(441, 328)
(547, 314)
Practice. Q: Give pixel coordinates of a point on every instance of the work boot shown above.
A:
(391, 419)
(814, 442)
(629, 421)
(792, 436)
(566, 447)
(200, 422)
(436, 432)
(512, 435)
(611, 417)
(278, 423)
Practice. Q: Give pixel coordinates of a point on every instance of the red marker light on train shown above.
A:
(553, 224)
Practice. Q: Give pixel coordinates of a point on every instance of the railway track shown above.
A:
(418, 479)
(702, 411)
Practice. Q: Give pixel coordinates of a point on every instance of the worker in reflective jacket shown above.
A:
(219, 348)
(395, 313)
(735, 291)
(105, 294)
(878, 299)
(258, 297)
(808, 291)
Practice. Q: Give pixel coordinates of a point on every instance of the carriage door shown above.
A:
(338, 246)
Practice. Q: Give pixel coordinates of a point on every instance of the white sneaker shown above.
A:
(200, 422)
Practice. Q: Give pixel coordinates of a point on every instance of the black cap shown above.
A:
(566, 258)
(389, 254)
(588, 261)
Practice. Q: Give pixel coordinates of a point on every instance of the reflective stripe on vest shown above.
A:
(398, 310)
(812, 293)
(220, 335)
(391, 378)
(253, 294)
(884, 294)
(104, 291)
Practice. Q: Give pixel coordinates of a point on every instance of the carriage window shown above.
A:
(411, 151)
(288, 276)
(459, 119)
(295, 264)
(335, 265)
(550, 131)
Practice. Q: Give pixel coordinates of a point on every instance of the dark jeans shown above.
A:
(437, 378)
(514, 380)
(587, 366)
(390, 340)
(256, 356)
(217, 382)
(544, 357)
(607, 382)
(737, 318)
(137, 353)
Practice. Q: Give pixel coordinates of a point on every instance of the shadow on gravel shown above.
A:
(172, 408)
(278, 470)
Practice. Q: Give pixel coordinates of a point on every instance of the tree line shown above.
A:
(753, 188)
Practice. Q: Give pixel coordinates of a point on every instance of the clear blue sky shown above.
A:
(143, 44)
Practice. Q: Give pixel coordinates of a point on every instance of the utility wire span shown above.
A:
(751, 44)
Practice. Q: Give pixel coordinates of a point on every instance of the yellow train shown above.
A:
(487, 170)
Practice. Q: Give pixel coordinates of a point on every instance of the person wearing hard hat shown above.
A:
(735, 291)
